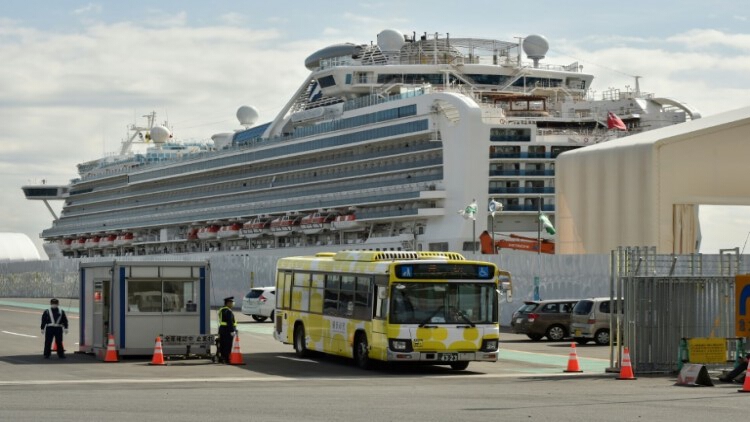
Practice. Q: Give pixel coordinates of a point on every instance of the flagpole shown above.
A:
(539, 226)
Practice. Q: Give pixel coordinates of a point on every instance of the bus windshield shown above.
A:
(443, 303)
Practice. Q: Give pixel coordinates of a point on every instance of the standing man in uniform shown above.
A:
(54, 322)
(227, 329)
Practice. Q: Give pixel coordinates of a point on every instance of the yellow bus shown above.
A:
(393, 306)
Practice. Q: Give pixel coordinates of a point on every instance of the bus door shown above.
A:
(283, 300)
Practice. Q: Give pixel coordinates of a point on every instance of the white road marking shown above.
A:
(296, 359)
(18, 334)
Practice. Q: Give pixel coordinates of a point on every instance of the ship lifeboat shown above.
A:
(65, 244)
(193, 234)
(346, 222)
(92, 242)
(229, 231)
(124, 239)
(107, 241)
(257, 227)
(315, 223)
(79, 243)
(209, 232)
(284, 225)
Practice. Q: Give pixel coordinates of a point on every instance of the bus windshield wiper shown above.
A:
(430, 317)
(463, 316)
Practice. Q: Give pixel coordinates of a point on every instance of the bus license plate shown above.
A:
(447, 357)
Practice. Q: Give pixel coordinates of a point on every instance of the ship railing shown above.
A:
(370, 155)
(232, 207)
(389, 182)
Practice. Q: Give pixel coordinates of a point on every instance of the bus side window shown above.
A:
(380, 310)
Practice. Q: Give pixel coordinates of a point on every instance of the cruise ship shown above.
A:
(382, 147)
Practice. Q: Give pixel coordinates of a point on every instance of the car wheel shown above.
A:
(556, 333)
(581, 341)
(460, 366)
(361, 352)
(602, 337)
(300, 348)
(259, 318)
(535, 337)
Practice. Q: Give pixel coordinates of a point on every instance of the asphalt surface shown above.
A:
(274, 385)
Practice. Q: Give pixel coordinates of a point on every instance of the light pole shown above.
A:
(493, 207)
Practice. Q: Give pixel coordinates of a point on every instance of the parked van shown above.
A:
(590, 319)
(549, 318)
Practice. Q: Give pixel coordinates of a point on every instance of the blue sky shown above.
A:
(76, 73)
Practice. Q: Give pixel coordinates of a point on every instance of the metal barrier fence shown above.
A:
(668, 298)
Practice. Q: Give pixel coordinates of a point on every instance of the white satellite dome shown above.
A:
(390, 40)
(535, 47)
(160, 134)
(247, 115)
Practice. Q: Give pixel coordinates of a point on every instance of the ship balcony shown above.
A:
(545, 173)
(523, 190)
(523, 155)
(515, 208)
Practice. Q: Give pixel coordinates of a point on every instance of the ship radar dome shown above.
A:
(247, 115)
(160, 134)
(535, 47)
(390, 40)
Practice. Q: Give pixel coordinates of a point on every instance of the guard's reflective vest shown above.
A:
(221, 317)
(54, 323)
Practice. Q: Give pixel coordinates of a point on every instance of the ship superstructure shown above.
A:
(378, 148)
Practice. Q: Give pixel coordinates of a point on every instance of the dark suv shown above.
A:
(549, 318)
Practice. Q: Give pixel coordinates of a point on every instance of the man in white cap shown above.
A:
(54, 322)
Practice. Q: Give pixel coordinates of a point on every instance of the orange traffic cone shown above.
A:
(626, 370)
(158, 358)
(746, 385)
(235, 358)
(573, 360)
(111, 355)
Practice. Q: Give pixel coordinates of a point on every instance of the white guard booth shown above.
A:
(137, 301)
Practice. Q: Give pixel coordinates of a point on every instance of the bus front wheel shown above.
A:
(361, 352)
(299, 341)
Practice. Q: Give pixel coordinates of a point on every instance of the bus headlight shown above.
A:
(489, 345)
(400, 345)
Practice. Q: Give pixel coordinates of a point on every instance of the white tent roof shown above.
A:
(644, 190)
(17, 247)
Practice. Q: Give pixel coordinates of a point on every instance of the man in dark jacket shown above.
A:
(227, 329)
(54, 322)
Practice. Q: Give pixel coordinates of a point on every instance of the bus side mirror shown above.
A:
(382, 293)
(506, 290)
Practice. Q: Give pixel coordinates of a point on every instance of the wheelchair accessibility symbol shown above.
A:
(483, 272)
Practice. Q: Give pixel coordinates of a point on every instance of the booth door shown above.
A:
(102, 303)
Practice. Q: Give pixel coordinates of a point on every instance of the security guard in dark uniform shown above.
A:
(227, 329)
(54, 322)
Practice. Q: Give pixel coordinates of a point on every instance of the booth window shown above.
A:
(161, 296)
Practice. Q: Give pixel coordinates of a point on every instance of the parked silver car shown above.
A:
(260, 303)
(590, 319)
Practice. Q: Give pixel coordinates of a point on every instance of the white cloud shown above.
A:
(233, 19)
(703, 38)
(91, 8)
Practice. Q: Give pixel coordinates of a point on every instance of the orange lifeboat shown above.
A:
(316, 222)
(229, 231)
(107, 241)
(209, 232)
(346, 222)
(284, 225)
(256, 227)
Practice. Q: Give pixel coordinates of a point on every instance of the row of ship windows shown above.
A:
(277, 181)
(199, 212)
(352, 122)
(383, 151)
(283, 198)
(289, 149)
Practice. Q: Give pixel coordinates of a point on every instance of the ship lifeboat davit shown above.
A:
(92, 242)
(315, 223)
(107, 241)
(346, 222)
(209, 232)
(229, 231)
(257, 227)
(284, 225)
(124, 239)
